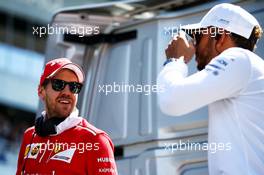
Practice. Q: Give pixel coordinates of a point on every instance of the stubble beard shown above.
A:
(202, 60)
(53, 110)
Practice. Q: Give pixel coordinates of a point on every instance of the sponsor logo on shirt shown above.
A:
(105, 159)
(217, 67)
(57, 148)
(65, 156)
(32, 150)
(107, 170)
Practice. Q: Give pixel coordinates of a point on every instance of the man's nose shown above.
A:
(66, 90)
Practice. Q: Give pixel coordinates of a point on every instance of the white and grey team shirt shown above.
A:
(232, 85)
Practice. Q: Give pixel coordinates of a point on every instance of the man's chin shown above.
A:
(63, 114)
(64, 111)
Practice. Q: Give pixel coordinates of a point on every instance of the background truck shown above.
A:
(122, 44)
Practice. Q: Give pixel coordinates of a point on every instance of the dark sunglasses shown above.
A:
(59, 85)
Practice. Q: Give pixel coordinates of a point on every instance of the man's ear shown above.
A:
(41, 92)
(224, 42)
(220, 42)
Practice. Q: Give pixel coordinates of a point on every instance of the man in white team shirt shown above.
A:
(230, 82)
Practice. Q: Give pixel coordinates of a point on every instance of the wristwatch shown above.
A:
(169, 60)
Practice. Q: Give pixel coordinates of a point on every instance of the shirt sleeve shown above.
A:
(20, 158)
(23, 152)
(102, 161)
(225, 76)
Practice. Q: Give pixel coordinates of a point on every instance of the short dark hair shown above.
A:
(245, 43)
(45, 82)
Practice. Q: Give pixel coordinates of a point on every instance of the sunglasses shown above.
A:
(59, 85)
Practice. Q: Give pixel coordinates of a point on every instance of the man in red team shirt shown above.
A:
(61, 142)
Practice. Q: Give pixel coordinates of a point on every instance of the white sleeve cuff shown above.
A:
(178, 65)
